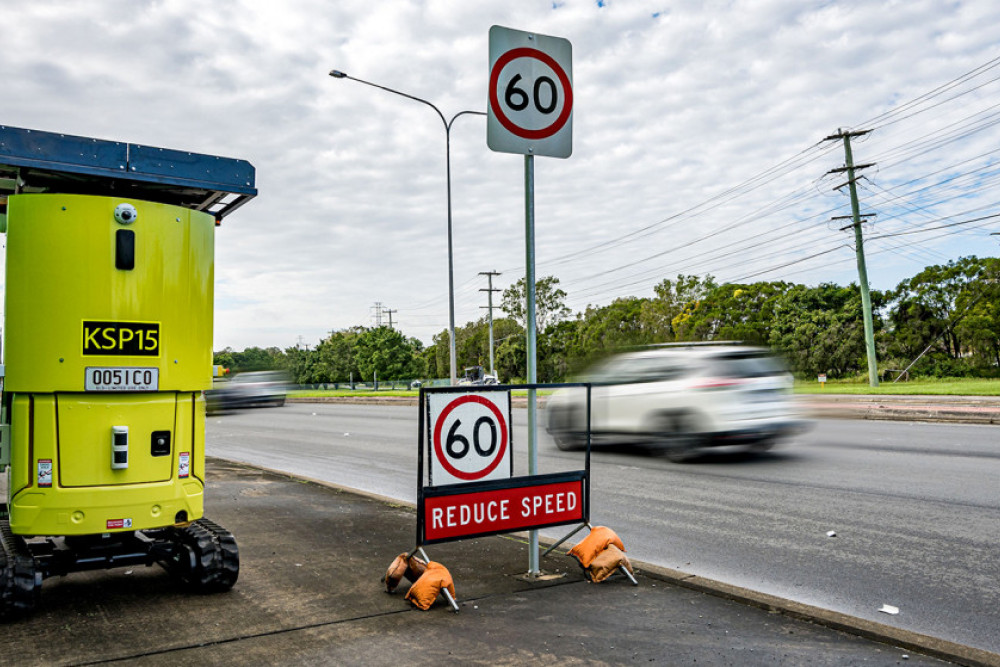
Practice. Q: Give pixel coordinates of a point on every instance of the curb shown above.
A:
(950, 409)
(944, 409)
(515, 401)
(879, 632)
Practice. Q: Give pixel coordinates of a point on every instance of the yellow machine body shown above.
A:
(108, 348)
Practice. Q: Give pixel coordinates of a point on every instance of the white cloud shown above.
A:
(675, 103)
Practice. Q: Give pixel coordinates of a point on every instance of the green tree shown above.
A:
(672, 297)
(820, 329)
(251, 359)
(336, 356)
(731, 312)
(550, 303)
(933, 309)
(442, 353)
(473, 348)
(385, 352)
(301, 365)
(430, 362)
(512, 360)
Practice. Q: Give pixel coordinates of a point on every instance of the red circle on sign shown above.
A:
(461, 474)
(545, 132)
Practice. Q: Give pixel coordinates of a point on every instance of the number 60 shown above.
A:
(517, 99)
(457, 445)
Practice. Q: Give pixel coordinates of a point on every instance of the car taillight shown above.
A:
(715, 384)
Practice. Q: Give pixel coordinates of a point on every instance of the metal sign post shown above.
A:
(530, 112)
(529, 284)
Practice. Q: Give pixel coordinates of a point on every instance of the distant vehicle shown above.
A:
(681, 399)
(248, 390)
(477, 375)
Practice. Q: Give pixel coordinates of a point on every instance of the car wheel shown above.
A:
(763, 445)
(561, 428)
(678, 432)
(569, 442)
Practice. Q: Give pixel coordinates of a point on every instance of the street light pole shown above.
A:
(337, 74)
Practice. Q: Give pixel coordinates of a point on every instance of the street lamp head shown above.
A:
(337, 74)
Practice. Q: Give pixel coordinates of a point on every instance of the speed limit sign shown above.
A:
(469, 437)
(530, 109)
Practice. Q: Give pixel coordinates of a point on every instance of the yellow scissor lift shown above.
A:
(107, 350)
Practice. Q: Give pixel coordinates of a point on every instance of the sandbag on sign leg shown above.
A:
(607, 563)
(404, 565)
(395, 573)
(415, 568)
(425, 590)
(597, 541)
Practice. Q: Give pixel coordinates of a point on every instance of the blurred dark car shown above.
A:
(248, 390)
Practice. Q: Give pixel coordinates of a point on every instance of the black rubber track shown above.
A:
(20, 583)
(216, 563)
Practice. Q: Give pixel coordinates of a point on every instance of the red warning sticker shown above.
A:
(119, 523)
(45, 473)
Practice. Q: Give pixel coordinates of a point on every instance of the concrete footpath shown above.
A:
(310, 593)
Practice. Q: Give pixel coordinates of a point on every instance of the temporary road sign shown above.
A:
(469, 436)
(530, 110)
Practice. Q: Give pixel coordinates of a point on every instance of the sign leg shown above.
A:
(451, 600)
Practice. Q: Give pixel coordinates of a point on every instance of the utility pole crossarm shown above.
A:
(851, 218)
(841, 134)
(840, 170)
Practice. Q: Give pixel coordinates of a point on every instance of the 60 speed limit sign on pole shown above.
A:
(530, 108)
(530, 112)
(469, 437)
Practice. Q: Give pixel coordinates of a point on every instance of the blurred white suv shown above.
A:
(680, 398)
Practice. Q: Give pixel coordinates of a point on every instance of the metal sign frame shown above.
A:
(428, 492)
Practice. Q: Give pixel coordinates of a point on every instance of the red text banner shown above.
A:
(520, 504)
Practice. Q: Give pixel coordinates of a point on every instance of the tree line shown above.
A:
(942, 322)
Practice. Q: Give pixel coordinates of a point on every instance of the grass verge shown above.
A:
(924, 387)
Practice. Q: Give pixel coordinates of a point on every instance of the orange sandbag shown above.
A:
(424, 592)
(395, 572)
(607, 563)
(587, 550)
(404, 565)
(415, 568)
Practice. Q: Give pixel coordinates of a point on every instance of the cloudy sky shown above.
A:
(698, 142)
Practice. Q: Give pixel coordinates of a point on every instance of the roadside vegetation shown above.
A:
(938, 330)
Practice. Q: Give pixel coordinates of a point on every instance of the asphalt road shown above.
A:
(915, 507)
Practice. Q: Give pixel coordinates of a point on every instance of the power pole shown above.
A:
(866, 299)
(389, 313)
(489, 293)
